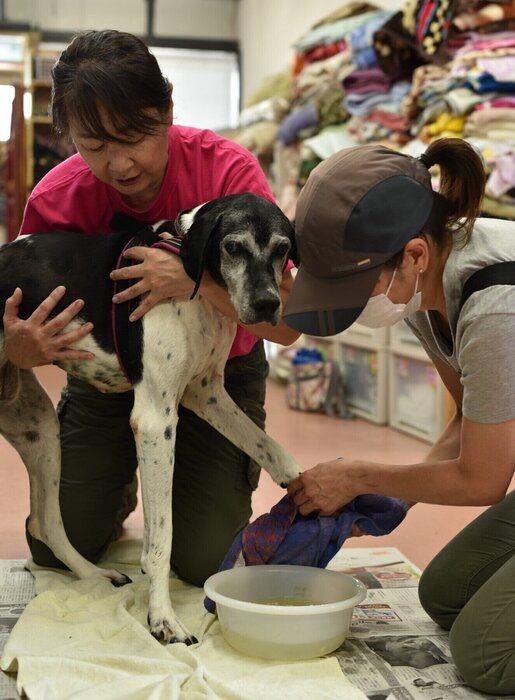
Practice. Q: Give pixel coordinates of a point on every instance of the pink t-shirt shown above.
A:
(201, 166)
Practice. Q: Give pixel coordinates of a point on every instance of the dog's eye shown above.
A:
(282, 249)
(233, 248)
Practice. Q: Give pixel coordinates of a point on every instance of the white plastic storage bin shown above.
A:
(327, 346)
(365, 337)
(403, 338)
(365, 374)
(417, 399)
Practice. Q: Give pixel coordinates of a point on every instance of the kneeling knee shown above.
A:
(195, 572)
(480, 661)
(434, 597)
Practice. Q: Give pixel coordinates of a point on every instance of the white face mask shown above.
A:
(381, 311)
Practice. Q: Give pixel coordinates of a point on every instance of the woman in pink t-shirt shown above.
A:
(110, 96)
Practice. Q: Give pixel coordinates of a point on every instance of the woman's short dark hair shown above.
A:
(111, 71)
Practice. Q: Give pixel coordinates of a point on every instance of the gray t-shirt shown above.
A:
(483, 337)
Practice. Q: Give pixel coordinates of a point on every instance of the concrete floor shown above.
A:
(310, 438)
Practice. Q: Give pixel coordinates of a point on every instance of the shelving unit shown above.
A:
(388, 377)
(44, 149)
(363, 354)
(417, 397)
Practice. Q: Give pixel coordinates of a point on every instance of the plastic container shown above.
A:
(255, 623)
(417, 400)
(374, 338)
(365, 374)
(402, 338)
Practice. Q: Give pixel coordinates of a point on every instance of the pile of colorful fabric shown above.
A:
(361, 74)
(473, 97)
(260, 119)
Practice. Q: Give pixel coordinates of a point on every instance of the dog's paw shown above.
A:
(170, 632)
(117, 579)
(286, 475)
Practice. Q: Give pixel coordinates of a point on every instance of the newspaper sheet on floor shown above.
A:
(16, 589)
(394, 650)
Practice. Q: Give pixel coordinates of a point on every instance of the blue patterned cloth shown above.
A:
(283, 536)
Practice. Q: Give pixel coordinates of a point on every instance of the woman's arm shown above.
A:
(448, 444)
(480, 475)
(161, 275)
(470, 464)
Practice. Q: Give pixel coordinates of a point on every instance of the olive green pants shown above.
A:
(212, 482)
(469, 589)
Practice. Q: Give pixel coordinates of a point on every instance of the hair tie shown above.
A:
(426, 160)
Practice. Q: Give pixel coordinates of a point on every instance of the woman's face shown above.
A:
(135, 169)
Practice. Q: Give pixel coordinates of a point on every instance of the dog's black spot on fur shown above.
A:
(212, 351)
(163, 394)
(270, 458)
(167, 411)
(179, 312)
(162, 522)
(260, 445)
(204, 381)
(169, 356)
(31, 435)
(168, 432)
(211, 400)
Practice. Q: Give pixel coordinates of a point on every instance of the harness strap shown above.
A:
(498, 273)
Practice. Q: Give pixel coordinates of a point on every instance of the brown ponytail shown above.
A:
(462, 184)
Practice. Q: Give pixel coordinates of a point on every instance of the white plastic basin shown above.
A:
(315, 624)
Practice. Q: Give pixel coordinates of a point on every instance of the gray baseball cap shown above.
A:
(358, 208)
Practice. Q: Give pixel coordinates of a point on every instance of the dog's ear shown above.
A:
(195, 246)
(294, 251)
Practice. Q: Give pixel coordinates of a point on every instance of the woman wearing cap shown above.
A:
(377, 245)
(110, 96)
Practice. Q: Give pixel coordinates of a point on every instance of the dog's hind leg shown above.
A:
(29, 422)
(208, 398)
(154, 422)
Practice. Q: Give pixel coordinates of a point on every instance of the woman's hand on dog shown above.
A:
(161, 276)
(37, 340)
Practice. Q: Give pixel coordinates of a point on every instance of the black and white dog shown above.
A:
(176, 354)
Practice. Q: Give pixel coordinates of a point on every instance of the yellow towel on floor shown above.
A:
(87, 640)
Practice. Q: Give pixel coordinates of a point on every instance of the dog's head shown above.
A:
(244, 242)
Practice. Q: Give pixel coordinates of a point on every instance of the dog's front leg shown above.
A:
(209, 400)
(154, 423)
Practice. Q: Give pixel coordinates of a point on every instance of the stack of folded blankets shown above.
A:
(363, 74)
(473, 97)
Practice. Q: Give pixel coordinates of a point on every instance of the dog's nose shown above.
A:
(266, 306)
